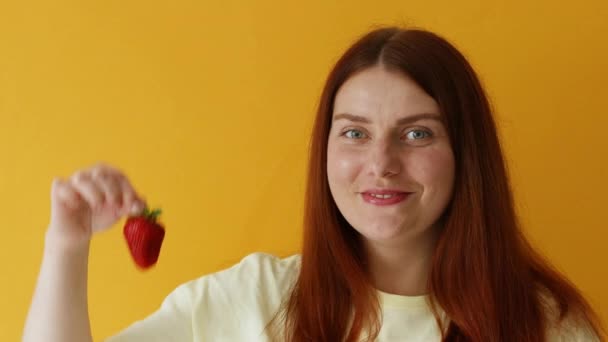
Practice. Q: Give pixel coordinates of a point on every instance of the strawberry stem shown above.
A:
(151, 215)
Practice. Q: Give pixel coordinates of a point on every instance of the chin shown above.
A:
(381, 234)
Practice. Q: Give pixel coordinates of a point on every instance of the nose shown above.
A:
(384, 159)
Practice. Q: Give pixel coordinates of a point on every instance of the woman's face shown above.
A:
(387, 139)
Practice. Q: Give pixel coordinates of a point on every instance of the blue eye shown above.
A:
(417, 134)
(357, 135)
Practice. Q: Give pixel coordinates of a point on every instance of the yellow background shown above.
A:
(208, 109)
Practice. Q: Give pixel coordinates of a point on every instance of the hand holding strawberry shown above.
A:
(144, 235)
(94, 199)
(89, 201)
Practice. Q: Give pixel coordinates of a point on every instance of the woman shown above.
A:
(410, 232)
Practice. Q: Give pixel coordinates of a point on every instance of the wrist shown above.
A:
(59, 244)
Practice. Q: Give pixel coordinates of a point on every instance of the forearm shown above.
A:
(59, 309)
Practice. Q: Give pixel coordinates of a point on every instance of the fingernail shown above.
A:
(136, 208)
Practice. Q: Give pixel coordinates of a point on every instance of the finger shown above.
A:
(133, 203)
(101, 169)
(80, 175)
(86, 188)
(110, 186)
(63, 193)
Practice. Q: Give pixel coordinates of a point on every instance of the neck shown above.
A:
(403, 268)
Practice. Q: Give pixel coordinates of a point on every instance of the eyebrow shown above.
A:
(402, 121)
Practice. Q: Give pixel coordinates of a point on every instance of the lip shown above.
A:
(398, 196)
(383, 191)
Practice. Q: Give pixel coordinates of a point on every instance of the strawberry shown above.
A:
(144, 237)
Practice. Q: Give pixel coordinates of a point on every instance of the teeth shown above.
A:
(381, 196)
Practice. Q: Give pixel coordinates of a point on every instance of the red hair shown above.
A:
(485, 276)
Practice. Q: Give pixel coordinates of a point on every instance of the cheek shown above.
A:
(343, 165)
(435, 169)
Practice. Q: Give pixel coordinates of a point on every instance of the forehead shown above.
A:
(377, 91)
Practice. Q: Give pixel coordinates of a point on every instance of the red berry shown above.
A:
(144, 237)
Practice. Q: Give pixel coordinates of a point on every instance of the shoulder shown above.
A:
(570, 328)
(256, 272)
(268, 265)
(257, 267)
(231, 303)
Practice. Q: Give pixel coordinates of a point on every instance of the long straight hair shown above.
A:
(485, 276)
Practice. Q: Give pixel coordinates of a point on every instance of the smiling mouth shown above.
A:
(385, 196)
(385, 199)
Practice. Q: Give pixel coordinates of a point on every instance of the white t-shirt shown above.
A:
(236, 304)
